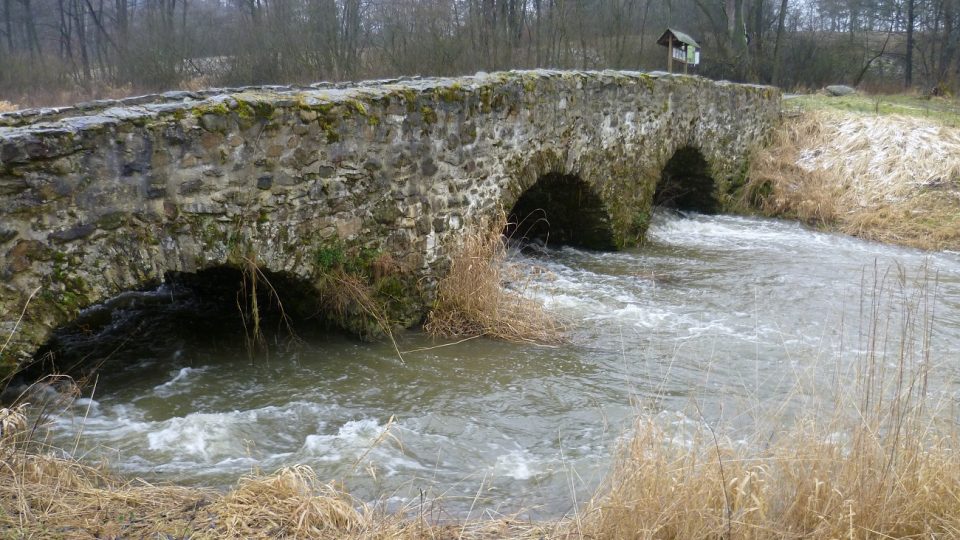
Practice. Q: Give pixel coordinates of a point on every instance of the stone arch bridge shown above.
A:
(379, 179)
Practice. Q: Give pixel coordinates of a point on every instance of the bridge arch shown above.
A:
(214, 310)
(561, 209)
(686, 183)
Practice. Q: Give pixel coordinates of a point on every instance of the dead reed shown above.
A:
(879, 458)
(472, 299)
(46, 495)
(887, 178)
(290, 503)
(881, 461)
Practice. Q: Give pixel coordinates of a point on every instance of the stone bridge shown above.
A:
(375, 180)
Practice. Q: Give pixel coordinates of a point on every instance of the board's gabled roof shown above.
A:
(678, 36)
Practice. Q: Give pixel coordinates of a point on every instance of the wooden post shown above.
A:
(670, 55)
(686, 59)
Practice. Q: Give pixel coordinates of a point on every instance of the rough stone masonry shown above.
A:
(110, 196)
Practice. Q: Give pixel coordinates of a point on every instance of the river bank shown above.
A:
(891, 469)
(868, 447)
(884, 168)
(749, 418)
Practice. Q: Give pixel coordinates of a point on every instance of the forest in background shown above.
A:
(56, 51)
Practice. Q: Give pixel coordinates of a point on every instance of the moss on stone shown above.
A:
(409, 98)
(8, 367)
(219, 109)
(329, 257)
(648, 81)
(451, 94)
(111, 220)
(486, 97)
(356, 106)
(529, 82)
(429, 115)
(328, 119)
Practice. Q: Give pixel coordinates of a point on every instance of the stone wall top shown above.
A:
(22, 132)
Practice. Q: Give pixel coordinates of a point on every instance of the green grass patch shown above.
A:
(945, 111)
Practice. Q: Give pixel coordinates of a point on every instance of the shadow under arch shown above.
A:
(685, 183)
(204, 313)
(561, 209)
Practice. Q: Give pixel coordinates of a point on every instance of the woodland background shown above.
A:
(56, 51)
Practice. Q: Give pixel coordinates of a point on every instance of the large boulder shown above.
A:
(840, 90)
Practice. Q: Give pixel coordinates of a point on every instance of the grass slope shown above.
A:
(835, 164)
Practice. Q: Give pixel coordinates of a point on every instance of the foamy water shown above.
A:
(733, 313)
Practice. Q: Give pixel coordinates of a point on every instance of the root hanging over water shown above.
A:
(472, 299)
(248, 303)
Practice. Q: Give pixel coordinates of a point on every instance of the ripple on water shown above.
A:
(733, 312)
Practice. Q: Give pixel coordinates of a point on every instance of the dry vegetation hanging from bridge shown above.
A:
(472, 299)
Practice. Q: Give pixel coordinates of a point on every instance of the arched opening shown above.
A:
(218, 311)
(561, 210)
(685, 184)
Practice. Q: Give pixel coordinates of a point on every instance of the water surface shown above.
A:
(716, 319)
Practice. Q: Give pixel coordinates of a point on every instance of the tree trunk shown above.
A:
(643, 29)
(781, 17)
(33, 42)
(7, 24)
(949, 48)
(737, 36)
(908, 68)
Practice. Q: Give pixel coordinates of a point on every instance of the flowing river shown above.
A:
(718, 319)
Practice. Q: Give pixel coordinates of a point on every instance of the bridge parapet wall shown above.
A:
(98, 201)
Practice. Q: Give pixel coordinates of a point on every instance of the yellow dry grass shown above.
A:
(6, 106)
(289, 503)
(46, 496)
(880, 458)
(803, 485)
(43, 495)
(472, 299)
(888, 178)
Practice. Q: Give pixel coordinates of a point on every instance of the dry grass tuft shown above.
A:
(887, 178)
(6, 106)
(13, 421)
(883, 461)
(46, 496)
(472, 300)
(805, 484)
(290, 503)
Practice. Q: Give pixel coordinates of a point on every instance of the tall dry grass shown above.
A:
(888, 178)
(882, 460)
(472, 299)
(44, 494)
(878, 456)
